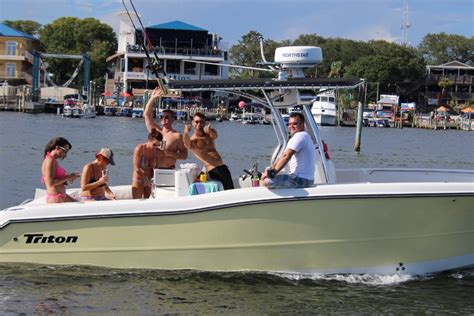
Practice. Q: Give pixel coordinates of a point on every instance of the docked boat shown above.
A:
(137, 112)
(110, 110)
(254, 118)
(181, 115)
(72, 111)
(73, 105)
(88, 111)
(324, 109)
(124, 111)
(373, 220)
(382, 118)
(235, 117)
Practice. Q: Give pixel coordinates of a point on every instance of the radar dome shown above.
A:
(298, 56)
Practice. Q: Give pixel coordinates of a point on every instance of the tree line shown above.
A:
(386, 66)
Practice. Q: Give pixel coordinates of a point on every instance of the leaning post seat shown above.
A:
(179, 179)
(163, 177)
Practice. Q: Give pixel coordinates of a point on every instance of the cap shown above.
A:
(107, 153)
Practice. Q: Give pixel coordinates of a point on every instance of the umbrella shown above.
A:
(125, 94)
(106, 94)
(468, 110)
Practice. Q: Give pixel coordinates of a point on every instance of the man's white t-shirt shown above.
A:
(303, 162)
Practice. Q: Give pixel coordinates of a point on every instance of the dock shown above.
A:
(427, 122)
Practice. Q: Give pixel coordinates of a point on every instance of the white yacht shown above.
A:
(324, 109)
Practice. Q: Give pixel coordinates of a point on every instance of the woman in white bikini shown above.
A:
(146, 157)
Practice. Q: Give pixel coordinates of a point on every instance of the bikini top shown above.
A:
(59, 172)
(93, 179)
(142, 163)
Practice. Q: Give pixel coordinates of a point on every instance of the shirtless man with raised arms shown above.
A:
(174, 148)
(201, 144)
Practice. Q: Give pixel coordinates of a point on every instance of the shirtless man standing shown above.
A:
(201, 144)
(174, 148)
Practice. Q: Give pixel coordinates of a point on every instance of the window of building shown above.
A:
(172, 66)
(190, 68)
(135, 64)
(211, 70)
(11, 48)
(122, 65)
(11, 70)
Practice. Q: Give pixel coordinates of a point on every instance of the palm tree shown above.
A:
(336, 69)
(443, 83)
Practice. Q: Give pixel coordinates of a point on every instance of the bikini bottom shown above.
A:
(56, 198)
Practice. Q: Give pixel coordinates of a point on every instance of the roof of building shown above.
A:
(8, 31)
(177, 25)
(455, 64)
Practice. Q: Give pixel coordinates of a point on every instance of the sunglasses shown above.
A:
(64, 150)
(293, 124)
(166, 117)
(199, 122)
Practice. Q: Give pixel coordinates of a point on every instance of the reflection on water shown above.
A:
(45, 290)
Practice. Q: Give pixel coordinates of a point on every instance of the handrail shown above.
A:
(280, 130)
(315, 132)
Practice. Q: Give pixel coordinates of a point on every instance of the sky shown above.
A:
(275, 19)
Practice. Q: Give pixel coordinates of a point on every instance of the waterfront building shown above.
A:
(458, 79)
(15, 49)
(174, 43)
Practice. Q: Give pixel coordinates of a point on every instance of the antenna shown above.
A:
(405, 24)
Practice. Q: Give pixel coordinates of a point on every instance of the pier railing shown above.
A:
(462, 79)
(450, 95)
(440, 122)
(195, 52)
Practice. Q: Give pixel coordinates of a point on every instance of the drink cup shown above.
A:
(163, 145)
(255, 182)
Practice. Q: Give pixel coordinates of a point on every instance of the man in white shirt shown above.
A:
(299, 155)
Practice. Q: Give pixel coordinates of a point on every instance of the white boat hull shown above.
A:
(382, 228)
(325, 119)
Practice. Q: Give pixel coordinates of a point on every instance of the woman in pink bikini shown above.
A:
(95, 180)
(146, 158)
(54, 176)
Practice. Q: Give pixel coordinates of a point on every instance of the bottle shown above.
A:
(202, 177)
(255, 181)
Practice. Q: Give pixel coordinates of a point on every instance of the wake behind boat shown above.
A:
(378, 221)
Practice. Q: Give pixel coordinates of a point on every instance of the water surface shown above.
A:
(38, 289)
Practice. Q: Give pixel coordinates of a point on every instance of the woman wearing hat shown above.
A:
(94, 181)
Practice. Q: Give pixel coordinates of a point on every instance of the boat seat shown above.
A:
(164, 177)
(166, 180)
